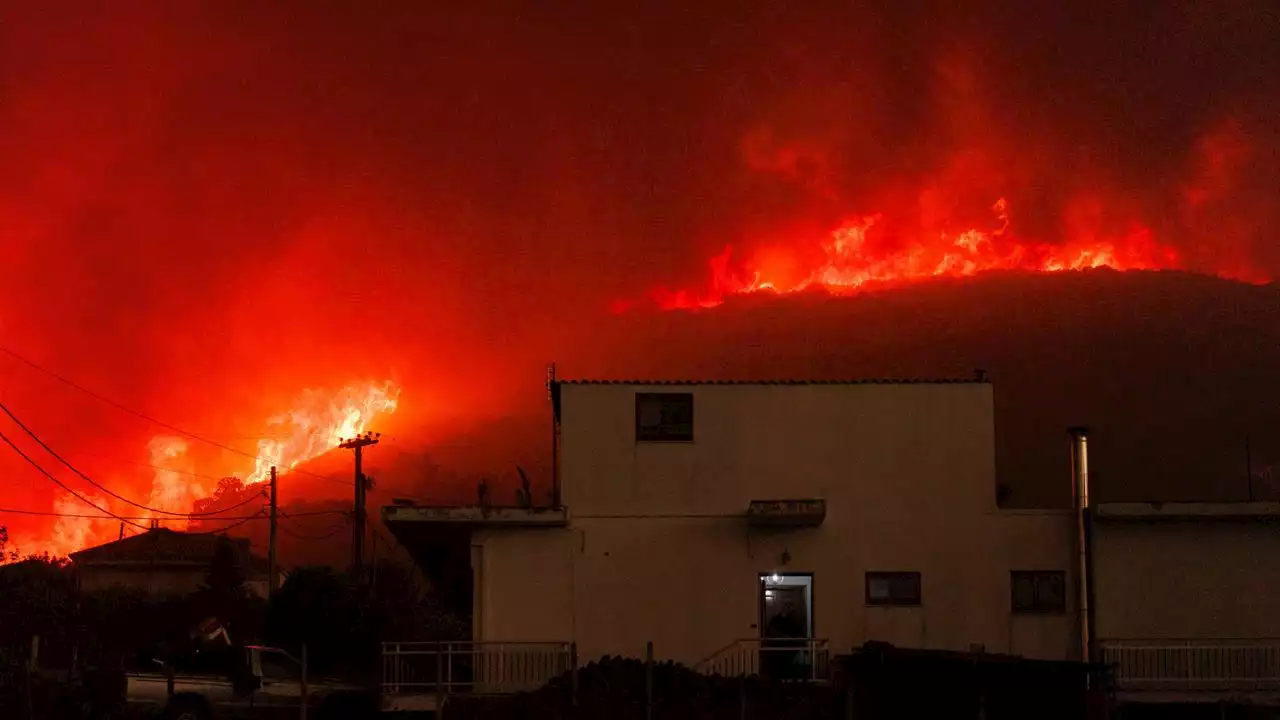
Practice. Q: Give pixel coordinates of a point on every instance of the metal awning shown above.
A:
(787, 512)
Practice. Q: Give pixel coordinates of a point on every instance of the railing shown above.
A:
(800, 659)
(1194, 665)
(482, 668)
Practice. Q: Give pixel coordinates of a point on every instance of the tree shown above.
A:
(4, 540)
(230, 490)
(225, 578)
(317, 607)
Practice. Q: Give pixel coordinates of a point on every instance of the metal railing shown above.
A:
(1206, 665)
(799, 659)
(466, 668)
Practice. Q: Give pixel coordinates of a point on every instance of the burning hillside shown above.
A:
(203, 209)
(942, 228)
(314, 426)
(851, 262)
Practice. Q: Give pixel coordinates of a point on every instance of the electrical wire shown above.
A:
(156, 467)
(238, 523)
(63, 485)
(313, 513)
(47, 513)
(290, 518)
(148, 418)
(4, 408)
(301, 535)
(323, 536)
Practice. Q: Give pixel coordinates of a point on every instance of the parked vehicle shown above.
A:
(214, 683)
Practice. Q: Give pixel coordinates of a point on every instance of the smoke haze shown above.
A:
(208, 208)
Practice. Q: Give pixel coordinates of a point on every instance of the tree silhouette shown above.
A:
(225, 576)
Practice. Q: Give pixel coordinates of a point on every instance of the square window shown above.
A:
(893, 588)
(664, 417)
(1038, 591)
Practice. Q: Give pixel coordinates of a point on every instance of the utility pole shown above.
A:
(358, 444)
(1248, 465)
(271, 553)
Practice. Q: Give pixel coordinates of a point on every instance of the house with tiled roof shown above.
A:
(163, 562)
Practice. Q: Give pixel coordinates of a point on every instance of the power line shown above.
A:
(97, 484)
(47, 513)
(62, 485)
(323, 536)
(157, 467)
(241, 521)
(314, 513)
(148, 418)
(291, 520)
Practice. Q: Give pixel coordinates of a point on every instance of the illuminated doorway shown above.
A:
(786, 625)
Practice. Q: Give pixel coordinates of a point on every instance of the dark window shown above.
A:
(278, 666)
(664, 417)
(1038, 591)
(893, 588)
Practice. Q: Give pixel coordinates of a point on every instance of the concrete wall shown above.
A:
(1195, 579)
(156, 583)
(657, 548)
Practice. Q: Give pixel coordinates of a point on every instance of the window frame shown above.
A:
(280, 659)
(892, 601)
(1038, 579)
(667, 430)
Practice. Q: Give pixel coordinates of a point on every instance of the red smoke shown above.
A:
(949, 212)
(209, 208)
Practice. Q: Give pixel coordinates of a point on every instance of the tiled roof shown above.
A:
(882, 381)
(166, 546)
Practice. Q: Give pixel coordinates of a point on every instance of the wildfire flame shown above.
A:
(313, 427)
(863, 254)
(317, 423)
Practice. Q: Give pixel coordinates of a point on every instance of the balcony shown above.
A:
(1189, 669)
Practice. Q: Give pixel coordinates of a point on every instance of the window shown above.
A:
(1038, 591)
(664, 417)
(893, 588)
(278, 666)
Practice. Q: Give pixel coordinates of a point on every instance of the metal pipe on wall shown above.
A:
(1080, 494)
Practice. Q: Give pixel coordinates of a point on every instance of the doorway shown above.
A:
(786, 625)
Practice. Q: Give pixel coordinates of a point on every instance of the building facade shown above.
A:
(164, 563)
(1187, 602)
(700, 516)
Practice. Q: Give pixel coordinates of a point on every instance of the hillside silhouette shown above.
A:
(1172, 371)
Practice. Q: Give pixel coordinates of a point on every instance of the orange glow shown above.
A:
(313, 427)
(867, 253)
(172, 490)
(317, 423)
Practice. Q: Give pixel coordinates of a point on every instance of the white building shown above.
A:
(1187, 599)
(696, 516)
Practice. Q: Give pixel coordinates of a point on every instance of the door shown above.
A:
(786, 625)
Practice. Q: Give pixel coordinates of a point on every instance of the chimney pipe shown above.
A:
(1084, 533)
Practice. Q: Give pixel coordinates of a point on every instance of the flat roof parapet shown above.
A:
(1187, 511)
(476, 515)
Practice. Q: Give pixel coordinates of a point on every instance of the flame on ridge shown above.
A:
(855, 257)
(314, 426)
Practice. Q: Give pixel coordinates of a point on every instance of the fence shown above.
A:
(482, 668)
(806, 659)
(1194, 665)
(553, 684)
